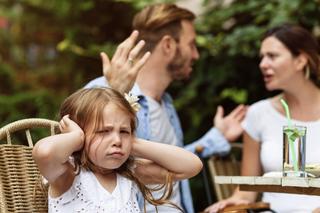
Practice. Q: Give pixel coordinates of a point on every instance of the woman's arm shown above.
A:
(251, 166)
(158, 159)
(52, 153)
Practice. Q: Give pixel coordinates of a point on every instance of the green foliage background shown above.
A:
(48, 49)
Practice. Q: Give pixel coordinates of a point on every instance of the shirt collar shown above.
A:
(137, 92)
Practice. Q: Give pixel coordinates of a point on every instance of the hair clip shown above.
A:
(133, 101)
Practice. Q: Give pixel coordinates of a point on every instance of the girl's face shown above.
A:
(111, 143)
(278, 65)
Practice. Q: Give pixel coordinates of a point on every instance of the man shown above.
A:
(168, 32)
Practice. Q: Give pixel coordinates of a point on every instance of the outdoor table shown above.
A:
(295, 185)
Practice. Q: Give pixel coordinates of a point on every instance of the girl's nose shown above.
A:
(116, 139)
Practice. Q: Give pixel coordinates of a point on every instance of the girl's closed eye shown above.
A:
(104, 131)
(125, 131)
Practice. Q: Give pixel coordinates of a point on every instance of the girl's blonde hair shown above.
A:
(85, 107)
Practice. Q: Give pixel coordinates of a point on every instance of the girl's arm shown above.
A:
(158, 159)
(251, 166)
(52, 153)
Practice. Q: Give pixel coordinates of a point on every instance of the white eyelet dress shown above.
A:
(87, 195)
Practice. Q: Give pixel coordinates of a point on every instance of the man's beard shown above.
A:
(176, 65)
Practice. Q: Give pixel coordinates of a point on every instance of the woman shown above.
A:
(289, 62)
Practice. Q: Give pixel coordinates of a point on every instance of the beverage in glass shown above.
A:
(294, 151)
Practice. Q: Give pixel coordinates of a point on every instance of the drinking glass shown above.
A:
(294, 151)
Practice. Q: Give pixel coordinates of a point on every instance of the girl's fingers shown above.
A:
(64, 122)
(66, 119)
(62, 125)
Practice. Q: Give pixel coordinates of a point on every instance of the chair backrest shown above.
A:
(19, 175)
(225, 166)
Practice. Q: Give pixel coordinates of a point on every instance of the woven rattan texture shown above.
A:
(20, 190)
(19, 176)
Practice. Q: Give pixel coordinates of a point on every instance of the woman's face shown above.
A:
(112, 142)
(278, 65)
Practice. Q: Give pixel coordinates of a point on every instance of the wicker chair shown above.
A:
(19, 175)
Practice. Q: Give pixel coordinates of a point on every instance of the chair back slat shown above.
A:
(19, 176)
(29, 138)
(8, 136)
(224, 166)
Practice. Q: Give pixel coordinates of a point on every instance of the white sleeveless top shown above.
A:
(87, 195)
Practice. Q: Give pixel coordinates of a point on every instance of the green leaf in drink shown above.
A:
(294, 133)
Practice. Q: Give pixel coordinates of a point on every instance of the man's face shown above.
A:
(180, 67)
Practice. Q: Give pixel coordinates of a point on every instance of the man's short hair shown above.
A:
(158, 20)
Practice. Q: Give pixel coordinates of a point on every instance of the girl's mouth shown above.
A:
(116, 154)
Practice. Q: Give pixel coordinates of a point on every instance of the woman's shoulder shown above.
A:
(261, 103)
(259, 112)
(260, 106)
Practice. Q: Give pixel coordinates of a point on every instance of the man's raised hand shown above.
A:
(121, 72)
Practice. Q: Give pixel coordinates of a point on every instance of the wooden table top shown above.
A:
(296, 185)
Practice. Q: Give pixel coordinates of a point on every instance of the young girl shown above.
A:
(108, 165)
